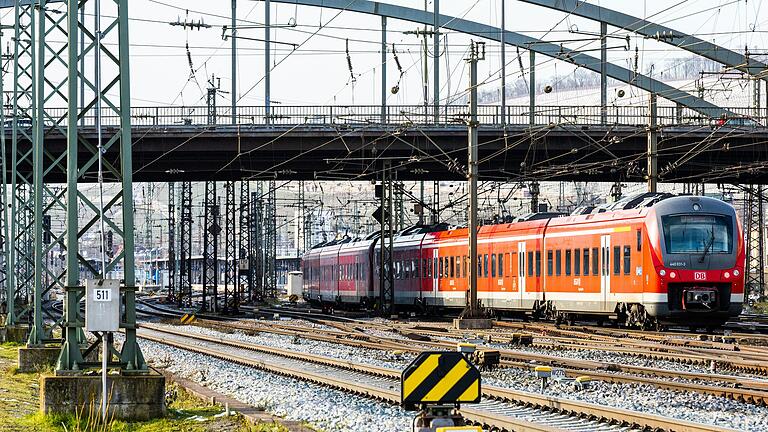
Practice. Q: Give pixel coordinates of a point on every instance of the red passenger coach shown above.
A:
(648, 260)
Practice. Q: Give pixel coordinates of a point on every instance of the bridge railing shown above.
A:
(362, 115)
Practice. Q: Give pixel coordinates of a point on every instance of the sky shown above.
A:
(318, 71)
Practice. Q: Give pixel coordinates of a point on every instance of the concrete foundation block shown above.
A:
(131, 397)
(472, 323)
(18, 334)
(33, 359)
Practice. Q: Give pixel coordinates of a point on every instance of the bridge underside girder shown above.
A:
(583, 153)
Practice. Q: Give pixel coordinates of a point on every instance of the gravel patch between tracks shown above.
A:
(345, 352)
(327, 409)
(690, 406)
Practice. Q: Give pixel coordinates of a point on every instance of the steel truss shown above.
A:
(244, 291)
(172, 285)
(230, 250)
(270, 242)
(257, 238)
(386, 240)
(211, 230)
(185, 246)
(19, 287)
(114, 18)
(754, 230)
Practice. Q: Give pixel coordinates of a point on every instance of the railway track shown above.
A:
(729, 386)
(348, 332)
(504, 409)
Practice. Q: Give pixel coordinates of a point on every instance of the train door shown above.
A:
(605, 267)
(520, 271)
(435, 275)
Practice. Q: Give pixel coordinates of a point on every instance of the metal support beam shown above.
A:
(233, 60)
(503, 63)
(655, 31)
(20, 252)
(130, 357)
(383, 70)
(267, 67)
(436, 61)
(230, 249)
(603, 73)
(755, 244)
(244, 292)
(532, 87)
(653, 137)
(386, 240)
(7, 295)
(257, 242)
(477, 53)
(172, 285)
(184, 297)
(211, 229)
(270, 242)
(436, 202)
(38, 121)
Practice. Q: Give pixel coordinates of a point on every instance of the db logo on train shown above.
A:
(699, 276)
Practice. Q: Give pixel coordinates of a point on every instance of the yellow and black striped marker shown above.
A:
(444, 377)
(187, 319)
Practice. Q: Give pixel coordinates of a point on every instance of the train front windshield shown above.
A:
(699, 234)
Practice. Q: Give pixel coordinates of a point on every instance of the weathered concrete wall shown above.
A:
(17, 334)
(33, 359)
(140, 397)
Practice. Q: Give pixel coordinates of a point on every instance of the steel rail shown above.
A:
(576, 408)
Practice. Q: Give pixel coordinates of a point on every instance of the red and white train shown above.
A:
(671, 259)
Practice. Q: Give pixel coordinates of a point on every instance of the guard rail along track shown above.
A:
(504, 409)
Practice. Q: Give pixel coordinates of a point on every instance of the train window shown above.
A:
(627, 260)
(586, 261)
(549, 263)
(567, 262)
(595, 260)
(639, 240)
(435, 273)
(493, 265)
(576, 262)
(616, 260)
(501, 265)
(458, 266)
(428, 267)
(538, 263)
(441, 267)
(558, 261)
(530, 263)
(485, 265)
(416, 272)
(447, 267)
(451, 266)
(513, 263)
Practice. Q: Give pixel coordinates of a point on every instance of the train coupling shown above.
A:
(700, 298)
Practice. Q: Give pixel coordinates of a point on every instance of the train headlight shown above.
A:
(662, 272)
(726, 275)
(672, 275)
(736, 273)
